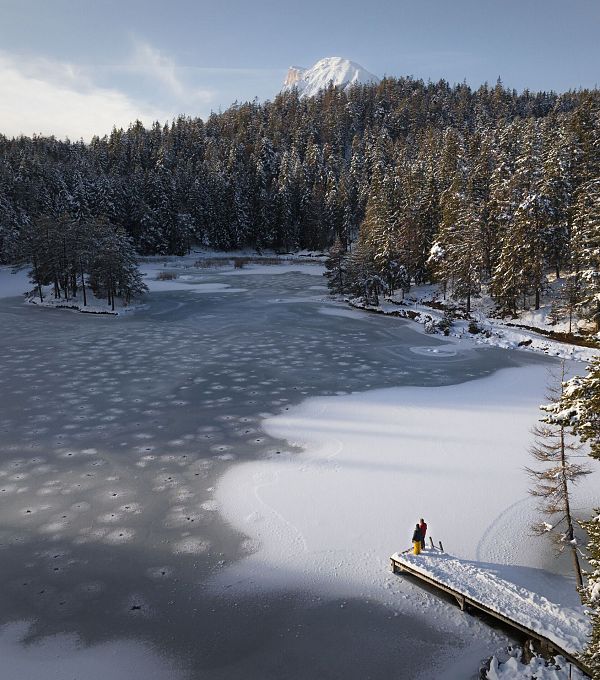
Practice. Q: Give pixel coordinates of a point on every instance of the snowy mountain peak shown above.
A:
(341, 72)
(294, 75)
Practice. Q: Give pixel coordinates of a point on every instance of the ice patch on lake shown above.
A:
(216, 288)
(191, 546)
(441, 351)
(343, 312)
(58, 657)
(302, 267)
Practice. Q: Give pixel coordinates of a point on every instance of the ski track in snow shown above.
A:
(489, 536)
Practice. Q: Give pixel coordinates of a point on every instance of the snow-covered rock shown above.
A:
(341, 72)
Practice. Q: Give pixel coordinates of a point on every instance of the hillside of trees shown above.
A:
(420, 180)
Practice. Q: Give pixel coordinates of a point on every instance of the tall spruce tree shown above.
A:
(554, 451)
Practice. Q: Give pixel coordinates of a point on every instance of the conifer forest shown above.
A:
(222, 479)
(409, 181)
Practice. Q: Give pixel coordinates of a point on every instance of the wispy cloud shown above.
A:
(150, 62)
(56, 98)
(78, 100)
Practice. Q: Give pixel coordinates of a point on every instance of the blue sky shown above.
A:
(76, 67)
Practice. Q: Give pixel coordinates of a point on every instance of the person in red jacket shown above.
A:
(423, 528)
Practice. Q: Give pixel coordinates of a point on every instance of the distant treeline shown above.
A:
(502, 185)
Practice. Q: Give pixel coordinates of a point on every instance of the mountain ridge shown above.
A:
(337, 70)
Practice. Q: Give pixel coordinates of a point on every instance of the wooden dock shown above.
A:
(466, 603)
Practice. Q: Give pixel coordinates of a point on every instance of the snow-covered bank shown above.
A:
(509, 665)
(93, 305)
(493, 332)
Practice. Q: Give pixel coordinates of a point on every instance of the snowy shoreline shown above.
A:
(495, 333)
(418, 450)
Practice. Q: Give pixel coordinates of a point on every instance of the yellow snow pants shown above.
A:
(417, 547)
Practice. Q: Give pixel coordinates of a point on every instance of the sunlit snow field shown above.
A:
(155, 503)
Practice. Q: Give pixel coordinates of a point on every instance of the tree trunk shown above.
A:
(570, 529)
(83, 284)
(577, 568)
(537, 298)
(37, 278)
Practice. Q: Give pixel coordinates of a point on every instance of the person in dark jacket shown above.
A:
(416, 539)
(423, 528)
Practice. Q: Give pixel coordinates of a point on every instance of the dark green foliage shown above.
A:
(70, 254)
(591, 593)
(446, 322)
(501, 179)
(336, 267)
(579, 407)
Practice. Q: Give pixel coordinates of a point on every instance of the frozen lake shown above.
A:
(114, 435)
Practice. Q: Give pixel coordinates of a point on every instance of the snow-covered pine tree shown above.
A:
(456, 256)
(113, 270)
(585, 250)
(565, 305)
(554, 450)
(481, 154)
(381, 228)
(556, 190)
(579, 410)
(591, 594)
(579, 407)
(336, 268)
(520, 268)
(361, 270)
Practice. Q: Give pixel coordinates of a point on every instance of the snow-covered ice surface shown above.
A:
(498, 588)
(114, 435)
(62, 657)
(373, 463)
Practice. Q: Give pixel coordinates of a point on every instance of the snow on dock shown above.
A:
(561, 628)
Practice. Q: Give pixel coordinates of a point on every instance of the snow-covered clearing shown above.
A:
(195, 267)
(328, 518)
(498, 588)
(13, 283)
